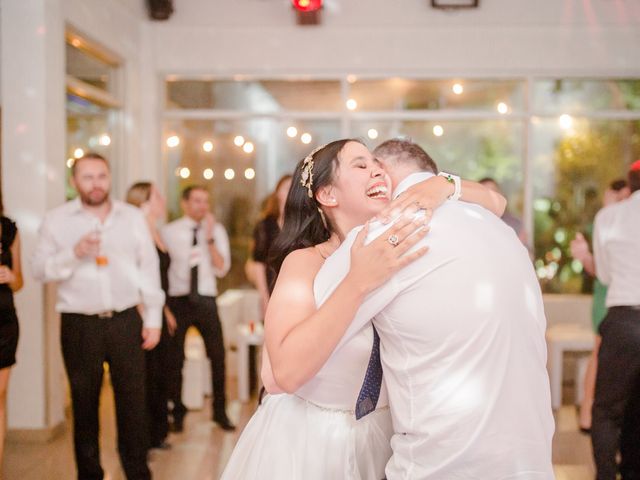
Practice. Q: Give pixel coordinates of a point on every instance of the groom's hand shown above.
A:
(427, 195)
(375, 263)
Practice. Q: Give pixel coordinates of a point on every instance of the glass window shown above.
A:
(239, 162)
(89, 128)
(92, 101)
(573, 164)
(464, 124)
(583, 95)
(472, 149)
(87, 68)
(396, 94)
(262, 96)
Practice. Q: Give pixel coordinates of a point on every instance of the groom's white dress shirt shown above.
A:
(463, 350)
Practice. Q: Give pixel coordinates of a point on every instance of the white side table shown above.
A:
(565, 337)
(245, 338)
(193, 372)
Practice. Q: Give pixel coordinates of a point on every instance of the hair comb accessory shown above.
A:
(306, 177)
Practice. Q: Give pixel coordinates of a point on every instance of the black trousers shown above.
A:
(158, 363)
(616, 412)
(88, 342)
(202, 313)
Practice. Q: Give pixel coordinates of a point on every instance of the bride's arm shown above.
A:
(300, 338)
(266, 375)
(474, 192)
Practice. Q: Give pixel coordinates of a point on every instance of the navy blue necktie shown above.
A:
(193, 277)
(370, 391)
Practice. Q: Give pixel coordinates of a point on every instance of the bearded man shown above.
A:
(102, 256)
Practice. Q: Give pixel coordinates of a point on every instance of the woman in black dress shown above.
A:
(10, 282)
(264, 235)
(146, 196)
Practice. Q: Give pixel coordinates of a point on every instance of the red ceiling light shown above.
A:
(307, 11)
(307, 5)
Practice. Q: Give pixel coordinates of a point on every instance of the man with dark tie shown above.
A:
(199, 251)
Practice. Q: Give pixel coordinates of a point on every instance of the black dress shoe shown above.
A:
(224, 423)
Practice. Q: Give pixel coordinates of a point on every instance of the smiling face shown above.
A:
(360, 189)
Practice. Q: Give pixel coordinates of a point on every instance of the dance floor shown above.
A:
(201, 451)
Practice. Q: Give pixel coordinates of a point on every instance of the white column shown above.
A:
(33, 178)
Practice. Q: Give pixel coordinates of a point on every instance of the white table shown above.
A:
(565, 337)
(244, 339)
(194, 375)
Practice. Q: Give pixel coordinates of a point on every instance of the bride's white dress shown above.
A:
(313, 434)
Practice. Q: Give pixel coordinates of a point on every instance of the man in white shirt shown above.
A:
(199, 251)
(616, 409)
(101, 254)
(462, 342)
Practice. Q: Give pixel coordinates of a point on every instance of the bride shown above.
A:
(306, 426)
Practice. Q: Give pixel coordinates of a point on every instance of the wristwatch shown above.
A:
(457, 186)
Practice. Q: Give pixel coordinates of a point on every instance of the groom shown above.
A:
(462, 342)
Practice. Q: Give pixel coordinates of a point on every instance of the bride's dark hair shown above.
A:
(304, 225)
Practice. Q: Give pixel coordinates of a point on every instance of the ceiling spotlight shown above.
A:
(292, 132)
(207, 146)
(438, 131)
(248, 147)
(249, 174)
(351, 78)
(306, 138)
(70, 162)
(104, 140)
(502, 108)
(457, 88)
(229, 174)
(207, 174)
(238, 141)
(372, 133)
(352, 104)
(307, 11)
(185, 172)
(173, 141)
(78, 152)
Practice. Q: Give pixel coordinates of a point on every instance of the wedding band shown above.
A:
(393, 240)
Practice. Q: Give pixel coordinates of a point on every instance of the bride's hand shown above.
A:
(427, 195)
(375, 263)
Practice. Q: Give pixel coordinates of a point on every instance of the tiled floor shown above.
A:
(201, 452)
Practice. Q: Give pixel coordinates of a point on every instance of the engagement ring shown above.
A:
(393, 240)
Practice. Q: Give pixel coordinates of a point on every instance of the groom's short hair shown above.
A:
(398, 150)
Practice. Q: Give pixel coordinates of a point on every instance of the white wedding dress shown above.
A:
(313, 434)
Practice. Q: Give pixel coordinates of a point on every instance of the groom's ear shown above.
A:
(326, 196)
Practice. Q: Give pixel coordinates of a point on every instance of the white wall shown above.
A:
(33, 178)
(403, 37)
(33, 150)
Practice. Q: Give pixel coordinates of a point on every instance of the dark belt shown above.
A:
(106, 313)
